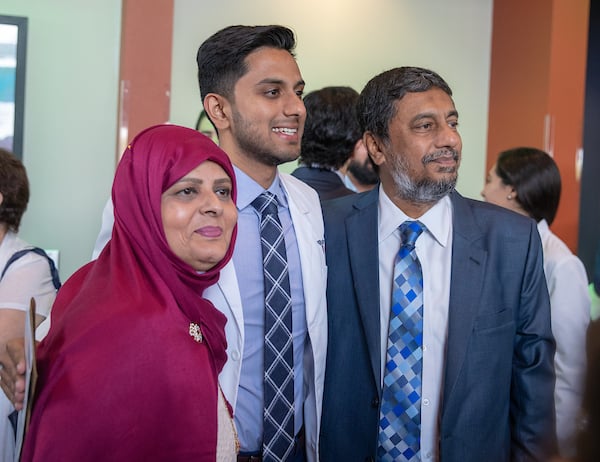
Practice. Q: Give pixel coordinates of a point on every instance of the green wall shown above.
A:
(70, 120)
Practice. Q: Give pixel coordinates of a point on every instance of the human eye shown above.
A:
(424, 126)
(272, 93)
(187, 192)
(453, 124)
(223, 191)
(300, 93)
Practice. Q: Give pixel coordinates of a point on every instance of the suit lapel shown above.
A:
(467, 273)
(308, 228)
(361, 228)
(230, 291)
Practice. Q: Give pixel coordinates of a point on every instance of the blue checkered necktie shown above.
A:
(278, 437)
(400, 417)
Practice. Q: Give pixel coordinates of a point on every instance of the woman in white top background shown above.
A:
(27, 277)
(527, 181)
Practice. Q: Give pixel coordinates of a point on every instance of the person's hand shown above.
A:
(12, 372)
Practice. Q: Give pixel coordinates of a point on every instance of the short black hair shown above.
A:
(14, 187)
(535, 177)
(221, 57)
(331, 129)
(376, 104)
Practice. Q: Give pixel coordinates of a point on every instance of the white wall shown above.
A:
(346, 42)
(70, 120)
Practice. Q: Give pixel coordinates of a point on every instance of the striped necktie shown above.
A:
(278, 438)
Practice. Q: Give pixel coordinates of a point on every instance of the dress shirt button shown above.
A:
(425, 402)
(235, 355)
(375, 402)
(424, 347)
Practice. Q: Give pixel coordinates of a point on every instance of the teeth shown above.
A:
(287, 131)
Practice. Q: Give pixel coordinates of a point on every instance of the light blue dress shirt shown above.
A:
(247, 259)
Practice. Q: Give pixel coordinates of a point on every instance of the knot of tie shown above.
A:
(409, 232)
(265, 204)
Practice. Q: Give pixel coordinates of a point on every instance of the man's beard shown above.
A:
(364, 172)
(250, 142)
(424, 190)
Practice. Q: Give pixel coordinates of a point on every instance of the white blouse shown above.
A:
(27, 277)
(570, 315)
(227, 442)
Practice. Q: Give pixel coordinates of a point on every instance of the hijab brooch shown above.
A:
(195, 332)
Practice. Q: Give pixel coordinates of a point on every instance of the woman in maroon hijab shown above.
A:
(128, 371)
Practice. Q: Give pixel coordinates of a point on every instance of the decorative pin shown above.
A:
(195, 332)
(321, 242)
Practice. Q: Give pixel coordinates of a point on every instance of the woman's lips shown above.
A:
(210, 231)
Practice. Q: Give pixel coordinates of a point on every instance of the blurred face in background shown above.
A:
(361, 167)
(495, 191)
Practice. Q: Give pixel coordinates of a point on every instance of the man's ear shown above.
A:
(373, 145)
(217, 109)
(1, 198)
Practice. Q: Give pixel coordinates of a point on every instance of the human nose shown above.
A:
(449, 136)
(294, 105)
(211, 204)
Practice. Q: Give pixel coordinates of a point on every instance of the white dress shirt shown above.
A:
(434, 249)
(570, 314)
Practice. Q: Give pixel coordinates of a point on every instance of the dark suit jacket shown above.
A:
(327, 183)
(497, 397)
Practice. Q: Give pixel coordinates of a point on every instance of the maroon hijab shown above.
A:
(120, 376)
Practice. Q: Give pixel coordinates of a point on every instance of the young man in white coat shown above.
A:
(252, 92)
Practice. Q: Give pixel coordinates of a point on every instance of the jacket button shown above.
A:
(375, 402)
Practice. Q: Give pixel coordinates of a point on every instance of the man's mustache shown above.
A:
(439, 154)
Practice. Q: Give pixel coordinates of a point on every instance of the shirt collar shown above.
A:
(248, 189)
(543, 228)
(438, 219)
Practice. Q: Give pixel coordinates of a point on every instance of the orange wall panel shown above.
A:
(566, 105)
(519, 76)
(537, 85)
(145, 66)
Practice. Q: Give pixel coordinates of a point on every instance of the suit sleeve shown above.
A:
(532, 416)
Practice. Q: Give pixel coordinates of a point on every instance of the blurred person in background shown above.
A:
(359, 172)
(527, 181)
(331, 133)
(26, 273)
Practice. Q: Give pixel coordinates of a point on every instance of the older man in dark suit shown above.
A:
(440, 345)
